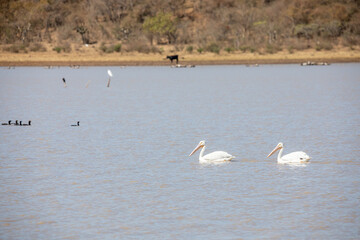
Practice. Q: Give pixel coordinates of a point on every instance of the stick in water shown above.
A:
(108, 85)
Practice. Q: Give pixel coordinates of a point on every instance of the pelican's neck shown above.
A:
(202, 152)
(279, 155)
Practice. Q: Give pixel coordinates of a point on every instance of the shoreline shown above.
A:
(153, 63)
(92, 58)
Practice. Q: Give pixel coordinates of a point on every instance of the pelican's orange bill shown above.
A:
(197, 148)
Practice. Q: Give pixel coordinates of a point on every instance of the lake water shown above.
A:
(125, 172)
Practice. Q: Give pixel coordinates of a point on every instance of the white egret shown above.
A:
(110, 75)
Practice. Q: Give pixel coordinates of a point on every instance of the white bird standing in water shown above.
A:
(110, 75)
(214, 157)
(294, 157)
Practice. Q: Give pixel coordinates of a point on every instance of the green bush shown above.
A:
(189, 49)
(200, 50)
(117, 47)
(65, 48)
(244, 48)
(163, 24)
(106, 49)
(57, 49)
(214, 48)
(110, 49)
(229, 49)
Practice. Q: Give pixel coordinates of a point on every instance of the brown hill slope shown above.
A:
(187, 26)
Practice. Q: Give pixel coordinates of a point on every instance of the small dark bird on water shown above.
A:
(16, 122)
(64, 82)
(8, 123)
(76, 125)
(29, 124)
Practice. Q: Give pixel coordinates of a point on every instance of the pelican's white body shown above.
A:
(294, 157)
(214, 157)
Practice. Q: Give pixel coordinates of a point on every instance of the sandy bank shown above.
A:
(93, 58)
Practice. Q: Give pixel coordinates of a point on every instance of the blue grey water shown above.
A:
(124, 173)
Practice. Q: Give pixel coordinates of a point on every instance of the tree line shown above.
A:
(202, 25)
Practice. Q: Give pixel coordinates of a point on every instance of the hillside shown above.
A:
(190, 26)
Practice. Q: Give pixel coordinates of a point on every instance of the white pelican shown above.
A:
(294, 157)
(214, 157)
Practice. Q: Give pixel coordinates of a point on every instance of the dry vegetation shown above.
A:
(190, 27)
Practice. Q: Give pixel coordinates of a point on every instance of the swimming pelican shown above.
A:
(294, 157)
(214, 157)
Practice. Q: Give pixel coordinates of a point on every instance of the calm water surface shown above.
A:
(125, 172)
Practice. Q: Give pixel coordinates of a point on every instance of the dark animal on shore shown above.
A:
(76, 125)
(8, 123)
(173, 57)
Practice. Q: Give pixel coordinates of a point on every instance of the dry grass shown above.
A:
(91, 55)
